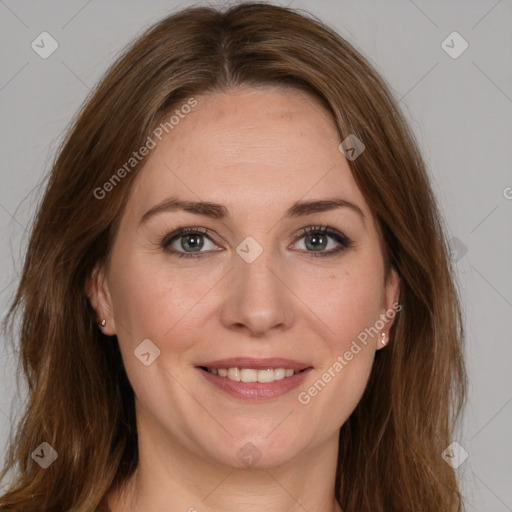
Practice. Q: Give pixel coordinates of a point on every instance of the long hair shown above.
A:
(79, 398)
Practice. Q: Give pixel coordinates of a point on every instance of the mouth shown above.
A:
(255, 379)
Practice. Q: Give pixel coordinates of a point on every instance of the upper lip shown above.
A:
(256, 363)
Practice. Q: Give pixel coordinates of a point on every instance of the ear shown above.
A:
(96, 289)
(390, 307)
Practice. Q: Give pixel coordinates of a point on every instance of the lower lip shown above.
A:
(256, 391)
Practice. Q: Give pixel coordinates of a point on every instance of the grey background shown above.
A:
(460, 110)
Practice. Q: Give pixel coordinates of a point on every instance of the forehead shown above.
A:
(249, 148)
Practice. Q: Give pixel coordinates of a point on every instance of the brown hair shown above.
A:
(79, 397)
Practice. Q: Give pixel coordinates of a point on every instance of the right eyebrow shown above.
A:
(213, 210)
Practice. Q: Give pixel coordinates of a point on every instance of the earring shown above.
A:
(384, 340)
(103, 323)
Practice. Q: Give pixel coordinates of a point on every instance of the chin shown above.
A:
(253, 452)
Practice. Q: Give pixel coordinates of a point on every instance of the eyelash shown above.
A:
(343, 241)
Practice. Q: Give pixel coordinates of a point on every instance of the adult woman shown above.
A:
(167, 380)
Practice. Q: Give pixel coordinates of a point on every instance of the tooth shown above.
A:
(279, 373)
(247, 375)
(252, 375)
(266, 375)
(234, 374)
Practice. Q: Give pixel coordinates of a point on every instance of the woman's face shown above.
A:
(251, 294)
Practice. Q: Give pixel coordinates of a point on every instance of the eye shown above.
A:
(187, 242)
(316, 241)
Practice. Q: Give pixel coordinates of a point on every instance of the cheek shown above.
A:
(350, 307)
(351, 301)
(151, 300)
(351, 310)
(136, 295)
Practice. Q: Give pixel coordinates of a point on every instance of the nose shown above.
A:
(258, 299)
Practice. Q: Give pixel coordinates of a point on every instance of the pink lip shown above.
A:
(256, 364)
(256, 391)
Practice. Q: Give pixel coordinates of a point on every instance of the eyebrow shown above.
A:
(218, 211)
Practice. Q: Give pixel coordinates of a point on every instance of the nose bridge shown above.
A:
(257, 297)
(258, 274)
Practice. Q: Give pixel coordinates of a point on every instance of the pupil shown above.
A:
(316, 239)
(194, 242)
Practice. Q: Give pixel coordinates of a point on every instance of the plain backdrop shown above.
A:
(459, 106)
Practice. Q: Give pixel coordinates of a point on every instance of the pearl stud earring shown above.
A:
(384, 339)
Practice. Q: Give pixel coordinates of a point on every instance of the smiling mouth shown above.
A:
(249, 375)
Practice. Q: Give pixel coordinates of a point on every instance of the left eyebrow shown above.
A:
(302, 208)
(218, 211)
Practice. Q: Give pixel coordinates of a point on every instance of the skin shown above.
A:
(256, 151)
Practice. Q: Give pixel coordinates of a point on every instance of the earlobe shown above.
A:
(97, 291)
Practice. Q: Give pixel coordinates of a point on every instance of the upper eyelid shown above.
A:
(208, 232)
(183, 231)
